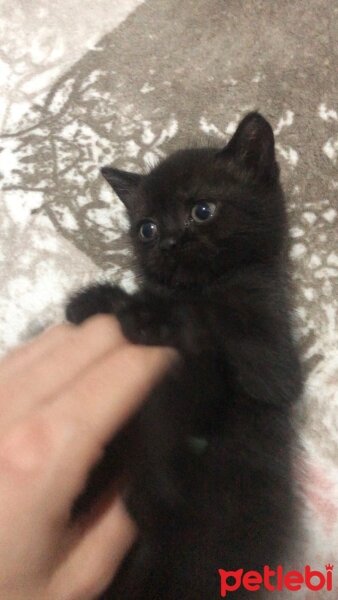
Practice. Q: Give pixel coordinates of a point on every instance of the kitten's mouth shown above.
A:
(178, 276)
(183, 278)
(189, 272)
(188, 265)
(195, 253)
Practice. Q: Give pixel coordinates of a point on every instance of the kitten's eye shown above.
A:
(203, 211)
(148, 231)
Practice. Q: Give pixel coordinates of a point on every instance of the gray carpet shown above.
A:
(171, 74)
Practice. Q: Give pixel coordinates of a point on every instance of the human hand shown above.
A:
(62, 398)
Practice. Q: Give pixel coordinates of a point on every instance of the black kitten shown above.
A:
(208, 459)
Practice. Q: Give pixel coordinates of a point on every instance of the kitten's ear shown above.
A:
(252, 147)
(123, 183)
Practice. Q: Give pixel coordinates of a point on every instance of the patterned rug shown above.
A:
(127, 82)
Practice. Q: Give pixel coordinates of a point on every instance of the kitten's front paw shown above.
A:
(142, 325)
(103, 299)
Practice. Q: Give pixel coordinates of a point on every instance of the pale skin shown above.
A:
(62, 397)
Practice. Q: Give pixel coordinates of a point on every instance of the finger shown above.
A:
(47, 375)
(97, 556)
(96, 406)
(25, 354)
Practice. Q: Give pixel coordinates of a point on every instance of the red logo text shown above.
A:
(275, 580)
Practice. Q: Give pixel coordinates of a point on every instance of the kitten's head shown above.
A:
(203, 212)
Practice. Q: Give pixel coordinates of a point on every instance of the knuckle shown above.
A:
(27, 447)
(78, 424)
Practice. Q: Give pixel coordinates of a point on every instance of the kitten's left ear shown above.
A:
(123, 183)
(252, 147)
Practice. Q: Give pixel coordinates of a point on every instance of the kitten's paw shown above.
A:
(140, 325)
(102, 298)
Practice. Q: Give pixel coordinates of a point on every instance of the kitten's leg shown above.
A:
(157, 319)
(101, 298)
(145, 317)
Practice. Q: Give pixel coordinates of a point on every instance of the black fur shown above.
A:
(208, 459)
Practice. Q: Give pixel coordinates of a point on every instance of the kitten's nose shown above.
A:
(168, 243)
